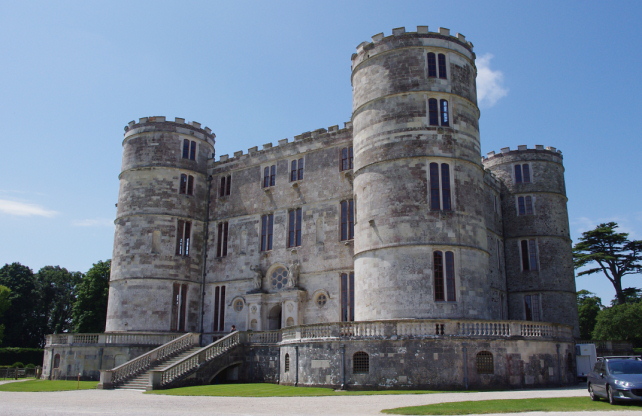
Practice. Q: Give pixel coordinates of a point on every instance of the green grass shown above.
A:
(557, 404)
(48, 385)
(273, 390)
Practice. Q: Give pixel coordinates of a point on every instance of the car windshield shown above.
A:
(625, 367)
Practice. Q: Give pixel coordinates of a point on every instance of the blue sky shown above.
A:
(557, 73)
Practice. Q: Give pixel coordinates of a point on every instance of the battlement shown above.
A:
(422, 32)
(267, 147)
(180, 125)
(522, 148)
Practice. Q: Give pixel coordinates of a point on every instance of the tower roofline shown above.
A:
(179, 125)
(522, 148)
(422, 32)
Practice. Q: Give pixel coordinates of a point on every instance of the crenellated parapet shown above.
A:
(179, 125)
(284, 145)
(400, 38)
(506, 151)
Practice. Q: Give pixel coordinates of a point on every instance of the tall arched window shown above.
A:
(440, 187)
(287, 362)
(484, 363)
(438, 112)
(360, 363)
(442, 66)
(432, 65)
(444, 276)
(443, 106)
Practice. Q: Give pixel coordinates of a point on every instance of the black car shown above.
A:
(616, 379)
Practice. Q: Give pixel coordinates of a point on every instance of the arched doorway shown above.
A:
(274, 317)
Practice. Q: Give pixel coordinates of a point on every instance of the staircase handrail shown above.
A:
(166, 375)
(143, 362)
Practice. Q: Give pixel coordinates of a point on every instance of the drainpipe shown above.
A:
(205, 240)
(465, 358)
(296, 374)
(342, 348)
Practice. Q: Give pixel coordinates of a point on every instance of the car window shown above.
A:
(626, 367)
(616, 367)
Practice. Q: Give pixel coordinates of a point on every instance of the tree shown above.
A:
(5, 303)
(631, 295)
(57, 287)
(588, 306)
(90, 309)
(21, 320)
(615, 255)
(620, 322)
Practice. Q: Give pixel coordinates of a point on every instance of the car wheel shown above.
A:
(592, 393)
(609, 394)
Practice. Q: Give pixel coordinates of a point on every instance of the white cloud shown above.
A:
(489, 83)
(95, 222)
(24, 209)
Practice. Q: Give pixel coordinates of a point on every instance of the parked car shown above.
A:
(616, 379)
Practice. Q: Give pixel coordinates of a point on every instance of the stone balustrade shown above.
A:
(426, 328)
(110, 378)
(128, 338)
(163, 377)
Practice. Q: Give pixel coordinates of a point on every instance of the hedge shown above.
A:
(9, 355)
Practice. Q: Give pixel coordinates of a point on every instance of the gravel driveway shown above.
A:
(134, 403)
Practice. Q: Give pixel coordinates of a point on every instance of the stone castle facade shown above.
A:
(392, 220)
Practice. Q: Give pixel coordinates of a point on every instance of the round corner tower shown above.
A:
(540, 278)
(156, 270)
(420, 237)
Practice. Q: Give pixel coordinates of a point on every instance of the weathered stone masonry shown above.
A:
(444, 260)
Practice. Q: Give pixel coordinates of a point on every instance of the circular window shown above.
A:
(322, 300)
(279, 278)
(238, 305)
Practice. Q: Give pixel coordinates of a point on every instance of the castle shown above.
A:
(370, 256)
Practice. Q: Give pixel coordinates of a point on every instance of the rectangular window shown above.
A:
(267, 226)
(531, 308)
(189, 149)
(221, 244)
(182, 189)
(438, 112)
(346, 158)
(183, 234)
(444, 276)
(433, 112)
(525, 205)
(179, 303)
(269, 176)
(219, 309)
(522, 173)
(294, 227)
(440, 192)
(444, 113)
(347, 220)
(186, 185)
(432, 65)
(347, 297)
(190, 185)
(296, 170)
(442, 66)
(529, 254)
(226, 184)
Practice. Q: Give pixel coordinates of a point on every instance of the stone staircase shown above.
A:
(141, 381)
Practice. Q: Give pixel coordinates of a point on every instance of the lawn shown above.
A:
(557, 404)
(48, 385)
(274, 390)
